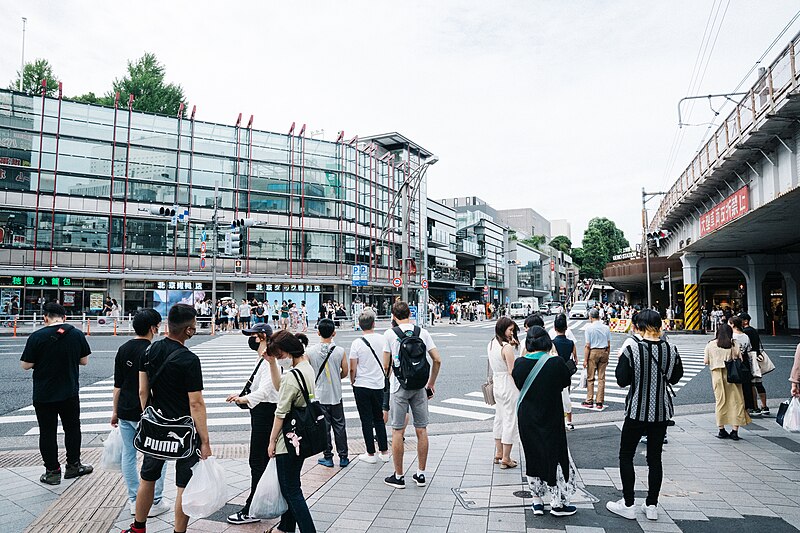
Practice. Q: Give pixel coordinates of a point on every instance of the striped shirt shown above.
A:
(647, 366)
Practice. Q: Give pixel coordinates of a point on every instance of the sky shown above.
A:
(569, 108)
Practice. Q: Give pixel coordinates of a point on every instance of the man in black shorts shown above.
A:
(54, 353)
(178, 392)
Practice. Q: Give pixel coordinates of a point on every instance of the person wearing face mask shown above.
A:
(260, 396)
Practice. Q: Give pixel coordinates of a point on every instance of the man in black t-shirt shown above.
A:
(127, 407)
(54, 353)
(177, 392)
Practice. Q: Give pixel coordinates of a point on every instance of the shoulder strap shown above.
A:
(380, 365)
(399, 332)
(529, 380)
(417, 331)
(169, 358)
(301, 382)
(325, 362)
(255, 371)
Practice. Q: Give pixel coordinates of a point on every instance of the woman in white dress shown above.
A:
(502, 352)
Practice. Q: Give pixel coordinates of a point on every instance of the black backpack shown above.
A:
(414, 369)
(304, 429)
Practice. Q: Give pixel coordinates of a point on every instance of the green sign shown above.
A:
(36, 281)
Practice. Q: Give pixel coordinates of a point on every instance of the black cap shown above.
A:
(261, 327)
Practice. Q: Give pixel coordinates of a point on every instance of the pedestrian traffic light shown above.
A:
(237, 266)
(163, 210)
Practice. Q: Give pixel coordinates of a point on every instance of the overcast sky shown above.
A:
(565, 107)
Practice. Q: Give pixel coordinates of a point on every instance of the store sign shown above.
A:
(37, 281)
(268, 287)
(731, 208)
(625, 254)
(180, 285)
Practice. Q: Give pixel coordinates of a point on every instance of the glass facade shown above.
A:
(77, 182)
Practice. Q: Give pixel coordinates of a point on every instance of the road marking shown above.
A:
(469, 403)
(461, 413)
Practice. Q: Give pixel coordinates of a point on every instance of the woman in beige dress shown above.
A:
(729, 398)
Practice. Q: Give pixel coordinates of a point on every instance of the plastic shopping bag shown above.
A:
(584, 379)
(268, 501)
(112, 452)
(207, 491)
(791, 421)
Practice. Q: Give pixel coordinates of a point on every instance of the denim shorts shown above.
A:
(403, 400)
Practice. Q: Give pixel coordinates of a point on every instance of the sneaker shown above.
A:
(367, 458)
(396, 482)
(51, 477)
(325, 462)
(385, 456)
(538, 507)
(643, 440)
(343, 462)
(665, 440)
(587, 403)
(754, 412)
(242, 518)
(134, 529)
(598, 405)
(723, 434)
(619, 508)
(159, 508)
(765, 411)
(564, 510)
(570, 426)
(419, 479)
(651, 511)
(132, 506)
(735, 435)
(77, 470)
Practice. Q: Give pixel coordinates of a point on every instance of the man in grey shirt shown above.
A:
(595, 358)
(330, 367)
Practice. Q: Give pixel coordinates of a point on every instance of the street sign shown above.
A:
(413, 310)
(203, 236)
(397, 283)
(202, 262)
(424, 283)
(360, 276)
(203, 247)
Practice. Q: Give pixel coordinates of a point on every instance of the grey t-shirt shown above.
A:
(329, 384)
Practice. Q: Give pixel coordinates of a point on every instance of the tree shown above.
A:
(145, 80)
(32, 75)
(601, 241)
(562, 243)
(535, 241)
(91, 98)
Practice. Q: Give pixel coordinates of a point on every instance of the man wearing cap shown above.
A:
(595, 358)
(261, 397)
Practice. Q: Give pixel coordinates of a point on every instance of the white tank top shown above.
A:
(496, 360)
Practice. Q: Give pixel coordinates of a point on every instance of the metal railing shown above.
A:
(773, 86)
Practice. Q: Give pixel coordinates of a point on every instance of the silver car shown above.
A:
(579, 310)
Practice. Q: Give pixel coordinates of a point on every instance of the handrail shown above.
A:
(774, 85)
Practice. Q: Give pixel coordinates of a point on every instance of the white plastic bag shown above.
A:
(791, 421)
(584, 378)
(207, 491)
(268, 501)
(112, 452)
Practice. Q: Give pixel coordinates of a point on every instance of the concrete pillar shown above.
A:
(755, 291)
(691, 296)
(792, 307)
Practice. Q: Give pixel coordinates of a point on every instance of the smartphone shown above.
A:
(429, 392)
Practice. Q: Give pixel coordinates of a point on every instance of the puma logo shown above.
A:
(175, 436)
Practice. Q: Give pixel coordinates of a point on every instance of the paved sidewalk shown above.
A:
(709, 485)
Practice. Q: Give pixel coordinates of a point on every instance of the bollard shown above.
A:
(15, 327)
(213, 326)
(34, 320)
(773, 328)
(88, 327)
(115, 327)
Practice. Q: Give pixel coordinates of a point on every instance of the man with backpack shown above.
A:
(330, 367)
(405, 354)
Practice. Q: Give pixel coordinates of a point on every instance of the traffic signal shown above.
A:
(656, 237)
(237, 266)
(243, 223)
(163, 210)
(235, 237)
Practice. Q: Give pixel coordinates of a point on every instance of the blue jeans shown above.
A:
(129, 470)
(288, 466)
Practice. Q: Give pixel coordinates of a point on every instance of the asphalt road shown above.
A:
(457, 403)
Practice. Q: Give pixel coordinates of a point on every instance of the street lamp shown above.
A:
(647, 196)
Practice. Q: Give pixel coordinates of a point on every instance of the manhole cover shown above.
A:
(523, 494)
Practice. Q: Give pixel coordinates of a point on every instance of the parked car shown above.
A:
(556, 308)
(544, 309)
(579, 310)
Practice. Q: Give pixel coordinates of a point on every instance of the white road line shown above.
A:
(468, 403)
(459, 413)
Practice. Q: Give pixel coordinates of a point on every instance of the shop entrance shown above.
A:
(36, 298)
(774, 288)
(725, 289)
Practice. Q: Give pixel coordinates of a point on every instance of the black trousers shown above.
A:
(747, 392)
(369, 403)
(632, 432)
(261, 418)
(298, 514)
(47, 414)
(334, 419)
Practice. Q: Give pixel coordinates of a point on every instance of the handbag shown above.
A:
(572, 366)
(737, 371)
(782, 408)
(764, 362)
(247, 386)
(304, 427)
(165, 438)
(488, 387)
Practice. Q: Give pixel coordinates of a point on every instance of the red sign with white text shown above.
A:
(731, 208)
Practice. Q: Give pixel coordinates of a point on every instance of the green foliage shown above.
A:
(91, 98)
(32, 75)
(562, 243)
(601, 240)
(535, 241)
(145, 80)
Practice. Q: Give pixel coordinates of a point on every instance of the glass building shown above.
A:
(78, 182)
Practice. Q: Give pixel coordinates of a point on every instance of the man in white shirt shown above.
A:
(369, 382)
(402, 399)
(244, 314)
(595, 358)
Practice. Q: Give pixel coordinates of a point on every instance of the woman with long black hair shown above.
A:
(502, 352)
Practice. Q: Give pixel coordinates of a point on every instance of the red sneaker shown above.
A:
(134, 529)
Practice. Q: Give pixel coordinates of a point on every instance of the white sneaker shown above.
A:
(367, 458)
(385, 457)
(159, 508)
(618, 507)
(132, 505)
(651, 511)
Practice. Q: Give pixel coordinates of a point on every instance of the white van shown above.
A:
(518, 309)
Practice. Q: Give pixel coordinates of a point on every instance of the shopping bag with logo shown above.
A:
(782, 408)
(791, 421)
(583, 379)
(207, 491)
(112, 452)
(268, 501)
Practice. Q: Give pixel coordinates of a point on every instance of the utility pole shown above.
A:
(22, 65)
(645, 243)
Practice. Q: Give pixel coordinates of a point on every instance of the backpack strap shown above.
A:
(399, 332)
(301, 382)
(169, 358)
(417, 331)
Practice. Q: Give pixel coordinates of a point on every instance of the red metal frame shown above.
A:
(354, 143)
(291, 196)
(55, 178)
(370, 150)
(111, 195)
(236, 175)
(125, 198)
(39, 179)
(191, 166)
(340, 255)
(302, 259)
(177, 181)
(249, 188)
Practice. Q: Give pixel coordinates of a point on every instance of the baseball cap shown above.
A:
(261, 327)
